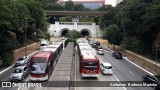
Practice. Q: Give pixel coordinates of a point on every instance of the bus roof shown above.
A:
(83, 44)
(49, 49)
(56, 43)
(43, 54)
(85, 48)
(88, 55)
(53, 46)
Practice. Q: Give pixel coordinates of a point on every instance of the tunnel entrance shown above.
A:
(64, 33)
(85, 33)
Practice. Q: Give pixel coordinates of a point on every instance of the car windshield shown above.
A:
(99, 47)
(43, 44)
(17, 71)
(20, 59)
(108, 67)
(38, 68)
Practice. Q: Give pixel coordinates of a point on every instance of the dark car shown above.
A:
(98, 43)
(98, 47)
(117, 55)
(150, 79)
(93, 45)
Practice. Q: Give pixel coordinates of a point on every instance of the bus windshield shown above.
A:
(91, 65)
(38, 68)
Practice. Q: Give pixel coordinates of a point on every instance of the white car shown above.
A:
(63, 38)
(106, 68)
(22, 61)
(19, 73)
(100, 51)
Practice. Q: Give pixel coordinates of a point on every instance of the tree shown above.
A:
(73, 34)
(113, 34)
(55, 7)
(19, 19)
(69, 5)
(79, 7)
(151, 20)
(6, 40)
(37, 19)
(109, 17)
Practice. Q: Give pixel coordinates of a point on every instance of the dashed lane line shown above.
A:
(131, 73)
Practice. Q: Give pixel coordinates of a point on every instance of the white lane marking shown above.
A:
(6, 69)
(13, 64)
(125, 58)
(21, 87)
(119, 82)
(131, 73)
(75, 68)
(116, 61)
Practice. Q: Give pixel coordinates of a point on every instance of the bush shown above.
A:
(73, 34)
(134, 45)
(70, 40)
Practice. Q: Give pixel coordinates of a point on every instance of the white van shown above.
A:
(44, 43)
(106, 68)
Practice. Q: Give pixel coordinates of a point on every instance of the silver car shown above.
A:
(22, 61)
(19, 73)
(100, 51)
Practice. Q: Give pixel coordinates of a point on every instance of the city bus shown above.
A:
(89, 65)
(41, 65)
(44, 61)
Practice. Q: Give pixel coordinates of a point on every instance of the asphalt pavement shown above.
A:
(124, 70)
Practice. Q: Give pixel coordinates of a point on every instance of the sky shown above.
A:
(112, 2)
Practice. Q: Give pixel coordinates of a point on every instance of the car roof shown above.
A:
(20, 67)
(106, 64)
(23, 57)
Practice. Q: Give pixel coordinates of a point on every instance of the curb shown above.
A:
(147, 59)
(125, 58)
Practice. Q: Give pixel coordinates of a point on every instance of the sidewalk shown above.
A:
(144, 62)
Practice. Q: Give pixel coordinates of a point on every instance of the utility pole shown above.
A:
(156, 56)
(26, 39)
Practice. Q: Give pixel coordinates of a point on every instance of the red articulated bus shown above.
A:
(41, 66)
(43, 62)
(89, 62)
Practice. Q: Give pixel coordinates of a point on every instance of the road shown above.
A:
(99, 79)
(5, 76)
(123, 70)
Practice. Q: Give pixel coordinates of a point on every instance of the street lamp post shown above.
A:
(26, 43)
(124, 40)
(156, 56)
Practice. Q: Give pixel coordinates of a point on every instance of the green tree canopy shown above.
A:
(69, 5)
(79, 7)
(113, 34)
(73, 34)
